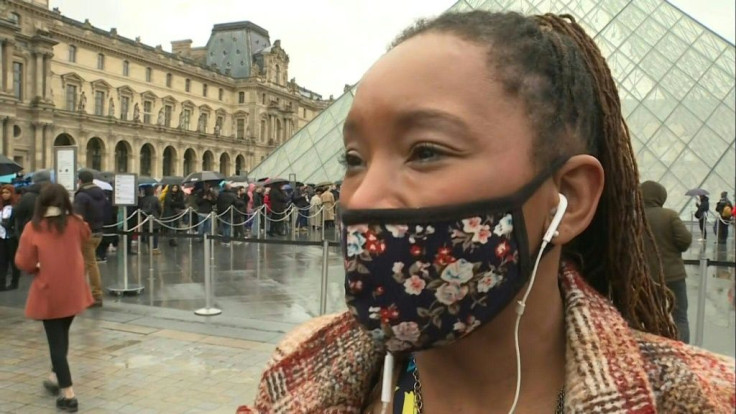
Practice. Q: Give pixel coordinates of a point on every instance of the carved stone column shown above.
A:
(48, 135)
(8, 148)
(37, 147)
(8, 53)
(38, 85)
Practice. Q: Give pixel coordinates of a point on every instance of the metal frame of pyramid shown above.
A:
(675, 80)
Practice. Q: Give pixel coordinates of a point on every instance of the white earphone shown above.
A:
(521, 305)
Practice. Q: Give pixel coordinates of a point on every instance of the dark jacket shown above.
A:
(204, 201)
(174, 203)
(90, 203)
(703, 207)
(151, 206)
(671, 237)
(23, 211)
(225, 199)
(279, 200)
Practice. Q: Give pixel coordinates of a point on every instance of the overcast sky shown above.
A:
(329, 42)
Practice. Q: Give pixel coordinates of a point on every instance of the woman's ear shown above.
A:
(581, 180)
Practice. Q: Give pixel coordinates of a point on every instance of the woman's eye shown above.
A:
(425, 153)
(350, 160)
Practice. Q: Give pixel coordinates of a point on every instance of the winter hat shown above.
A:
(41, 177)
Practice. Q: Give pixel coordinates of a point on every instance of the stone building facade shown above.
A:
(130, 107)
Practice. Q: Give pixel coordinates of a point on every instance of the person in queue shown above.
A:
(502, 270)
(50, 250)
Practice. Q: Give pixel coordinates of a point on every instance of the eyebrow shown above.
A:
(422, 118)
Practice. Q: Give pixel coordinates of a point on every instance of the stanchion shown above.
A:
(294, 218)
(213, 223)
(700, 318)
(150, 243)
(208, 309)
(323, 289)
(125, 287)
(266, 227)
(322, 215)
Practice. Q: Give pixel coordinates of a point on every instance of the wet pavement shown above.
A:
(149, 353)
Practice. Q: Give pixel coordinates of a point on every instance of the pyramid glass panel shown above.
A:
(675, 80)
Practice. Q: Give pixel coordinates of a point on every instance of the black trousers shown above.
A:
(7, 261)
(57, 334)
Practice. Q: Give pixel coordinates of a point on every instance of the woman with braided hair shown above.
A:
(526, 292)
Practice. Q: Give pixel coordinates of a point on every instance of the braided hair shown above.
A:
(570, 97)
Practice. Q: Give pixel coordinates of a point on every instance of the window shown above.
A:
(305, 112)
(202, 126)
(218, 124)
(18, 80)
(204, 90)
(168, 109)
(72, 53)
(101, 61)
(220, 94)
(263, 130)
(187, 115)
(15, 18)
(278, 74)
(168, 80)
(147, 108)
(124, 103)
(126, 68)
(263, 99)
(149, 74)
(71, 97)
(240, 133)
(187, 85)
(99, 103)
(241, 97)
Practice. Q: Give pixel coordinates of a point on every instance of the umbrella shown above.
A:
(696, 192)
(104, 185)
(107, 176)
(7, 179)
(203, 176)
(96, 174)
(172, 180)
(274, 181)
(145, 180)
(8, 166)
(238, 178)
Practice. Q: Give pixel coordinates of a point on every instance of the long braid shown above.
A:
(640, 298)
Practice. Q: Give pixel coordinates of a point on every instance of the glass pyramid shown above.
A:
(675, 80)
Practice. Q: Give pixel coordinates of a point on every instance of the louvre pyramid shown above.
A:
(675, 79)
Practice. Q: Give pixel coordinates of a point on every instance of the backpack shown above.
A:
(726, 212)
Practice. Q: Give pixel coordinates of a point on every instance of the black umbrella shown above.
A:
(8, 166)
(145, 180)
(107, 176)
(275, 181)
(172, 180)
(204, 176)
(696, 192)
(238, 178)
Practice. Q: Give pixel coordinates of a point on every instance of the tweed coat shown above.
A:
(330, 365)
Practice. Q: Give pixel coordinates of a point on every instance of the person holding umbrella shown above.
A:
(174, 204)
(701, 213)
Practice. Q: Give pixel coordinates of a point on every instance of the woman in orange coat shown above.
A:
(51, 250)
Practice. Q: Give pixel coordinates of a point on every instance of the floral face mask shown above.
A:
(422, 278)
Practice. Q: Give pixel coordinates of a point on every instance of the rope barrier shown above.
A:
(120, 222)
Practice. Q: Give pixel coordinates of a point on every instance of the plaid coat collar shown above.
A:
(330, 365)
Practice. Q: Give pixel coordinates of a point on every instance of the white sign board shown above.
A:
(65, 167)
(125, 190)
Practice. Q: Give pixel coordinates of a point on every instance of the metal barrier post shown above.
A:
(191, 222)
(213, 226)
(322, 215)
(150, 243)
(139, 229)
(126, 287)
(700, 318)
(294, 219)
(208, 310)
(232, 225)
(266, 227)
(323, 290)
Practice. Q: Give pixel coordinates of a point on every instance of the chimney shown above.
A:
(181, 47)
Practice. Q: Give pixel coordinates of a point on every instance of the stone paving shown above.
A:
(128, 368)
